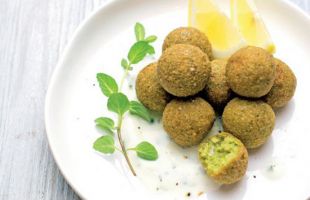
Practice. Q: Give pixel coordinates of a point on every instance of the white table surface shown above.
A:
(33, 34)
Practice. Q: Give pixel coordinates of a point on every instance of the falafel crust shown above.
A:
(217, 88)
(183, 70)
(252, 122)
(284, 86)
(149, 91)
(224, 158)
(189, 35)
(251, 72)
(187, 122)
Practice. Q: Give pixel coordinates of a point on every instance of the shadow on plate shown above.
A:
(284, 115)
(260, 156)
(234, 191)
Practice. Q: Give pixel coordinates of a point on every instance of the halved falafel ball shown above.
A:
(149, 91)
(189, 35)
(284, 86)
(251, 72)
(183, 70)
(252, 122)
(187, 122)
(224, 158)
(217, 89)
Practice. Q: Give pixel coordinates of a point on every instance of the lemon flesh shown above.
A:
(245, 16)
(223, 35)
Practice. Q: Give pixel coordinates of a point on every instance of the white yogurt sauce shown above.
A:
(177, 174)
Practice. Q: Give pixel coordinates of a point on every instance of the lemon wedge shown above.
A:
(245, 16)
(223, 35)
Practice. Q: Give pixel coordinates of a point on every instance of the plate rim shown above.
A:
(64, 54)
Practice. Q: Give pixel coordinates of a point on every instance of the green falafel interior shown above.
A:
(218, 151)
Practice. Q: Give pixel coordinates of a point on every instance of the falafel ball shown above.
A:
(189, 35)
(251, 122)
(284, 86)
(224, 158)
(188, 121)
(251, 72)
(217, 88)
(149, 91)
(183, 70)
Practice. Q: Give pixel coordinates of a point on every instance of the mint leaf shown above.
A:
(107, 84)
(138, 109)
(146, 151)
(124, 63)
(138, 51)
(105, 124)
(105, 144)
(151, 50)
(150, 39)
(139, 31)
(118, 103)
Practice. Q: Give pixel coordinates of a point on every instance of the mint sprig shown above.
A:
(136, 108)
(146, 151)
(107, 84)
(139, 31)
(106, 124)
(105, 144)
(119, 103)
(138, 51)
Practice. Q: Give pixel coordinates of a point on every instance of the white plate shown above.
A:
(72, 103)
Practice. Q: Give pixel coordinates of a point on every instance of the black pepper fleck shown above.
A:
(94, 84)
(130, 86)
(177, 184)
(189, 194)
(139, 127)
(254, 176)
(152, 120)
(157, 188)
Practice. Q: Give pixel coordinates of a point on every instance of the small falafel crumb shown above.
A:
(200, 193)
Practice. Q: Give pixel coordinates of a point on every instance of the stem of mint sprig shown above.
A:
(120, 104)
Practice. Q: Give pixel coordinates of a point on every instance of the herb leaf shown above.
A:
(125, 64)
(106, 124)
(118, 103)
(105, 144)
(150, 39)
(138, 51)
(146, 151)
(138, 109)
(151, 50)
(107, 84)
(139, 31)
